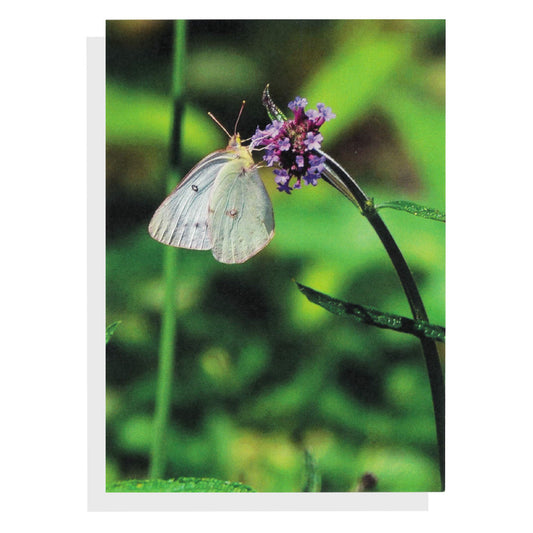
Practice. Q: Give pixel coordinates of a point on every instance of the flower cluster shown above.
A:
(289, 145)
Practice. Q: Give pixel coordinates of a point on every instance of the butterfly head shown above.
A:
(234, 141)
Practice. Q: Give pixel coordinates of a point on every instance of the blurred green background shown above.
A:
(261, 374)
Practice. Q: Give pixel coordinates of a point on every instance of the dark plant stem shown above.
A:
(336, 176)
(167, 340)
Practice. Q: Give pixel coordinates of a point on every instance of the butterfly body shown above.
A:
(220, 205)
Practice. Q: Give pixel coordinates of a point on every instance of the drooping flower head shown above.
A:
(289, 145)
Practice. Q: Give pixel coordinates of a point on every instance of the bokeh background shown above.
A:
(261, 374)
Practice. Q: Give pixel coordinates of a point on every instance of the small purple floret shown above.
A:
(312, 141)
(282, 176)
(316, 164)
(297, 103)
(274, 128)
(284, 144)
(325, 112)
(271, 158)
(311, 179)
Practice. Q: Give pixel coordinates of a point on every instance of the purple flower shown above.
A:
(325, 112)
(313, 140)
(284, 144)
(316, 167)
(282, 177)
(297, 103)
(257, 138)
(311, 179)
(284, 187)
(290, 145)
(273, 129)
(271, 158)
(316, 164)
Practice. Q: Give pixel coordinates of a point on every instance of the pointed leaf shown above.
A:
(110, 330)
(274, 112)
(415, 209)
(182, 484)
(368, 315)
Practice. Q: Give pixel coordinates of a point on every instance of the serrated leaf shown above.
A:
(110, 330)
(182, 484)
(374, 317)
(414, 209)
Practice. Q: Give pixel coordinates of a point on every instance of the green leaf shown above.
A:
(415, 209)
(274, 112)
(110, 330)
(368, 315)
(182, 484)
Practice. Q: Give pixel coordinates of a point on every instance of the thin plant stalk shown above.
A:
(167, 342)
(336, 176)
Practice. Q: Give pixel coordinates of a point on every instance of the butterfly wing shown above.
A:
(241, 221)
(182, 219)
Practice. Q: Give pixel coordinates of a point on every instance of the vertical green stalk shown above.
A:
(167, 340)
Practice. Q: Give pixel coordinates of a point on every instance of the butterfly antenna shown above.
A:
(238, 118)
(223, 128)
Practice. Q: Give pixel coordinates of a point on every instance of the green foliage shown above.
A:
(134, 116)
(312, 476)
(351, 67)
(182, 484)
(373, 317)
(414, 209)
(261, 373)
(273, 111)
(110, 330)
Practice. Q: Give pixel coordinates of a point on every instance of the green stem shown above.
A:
(167, 340)
(336, 176)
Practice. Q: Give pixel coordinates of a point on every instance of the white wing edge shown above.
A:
(182, 219)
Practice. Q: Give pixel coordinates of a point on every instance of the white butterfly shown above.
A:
(220, 205)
